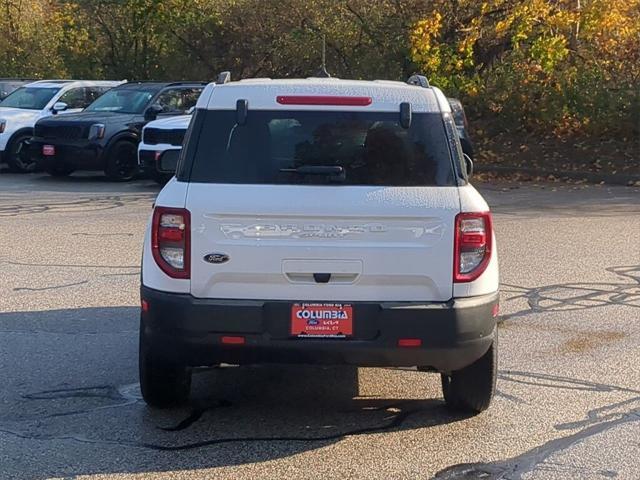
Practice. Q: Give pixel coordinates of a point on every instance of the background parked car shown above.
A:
(106, 134)
(8, 85)
(460, 119)
(160, 147)
(20, 111)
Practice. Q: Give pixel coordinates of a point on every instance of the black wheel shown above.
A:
(122, 161)
(19, 157)
(59, 169)
(471, 388)
(163, 384)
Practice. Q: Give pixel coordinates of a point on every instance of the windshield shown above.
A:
(318, 148)
(29, 98)
(121, 101)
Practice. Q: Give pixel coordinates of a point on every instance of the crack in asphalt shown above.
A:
(69, 265)
(52, 287)
(108, 392)
(83, 205)
(83, 234)
(597, 421)
(396, 420)
(563, 297)
(130, 394)
(195, 415)
(594, 424)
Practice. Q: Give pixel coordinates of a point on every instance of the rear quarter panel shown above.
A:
(172, 195)
(489, 281)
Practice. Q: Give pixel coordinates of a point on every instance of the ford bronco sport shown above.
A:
(321, 221)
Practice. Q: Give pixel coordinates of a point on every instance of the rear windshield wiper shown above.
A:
(315, 170)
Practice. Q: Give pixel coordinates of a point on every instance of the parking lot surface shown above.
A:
(568, 402)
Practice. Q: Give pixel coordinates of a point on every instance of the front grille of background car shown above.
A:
(154, 136)
(65, 132)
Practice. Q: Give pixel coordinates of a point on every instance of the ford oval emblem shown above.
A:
(216, 258)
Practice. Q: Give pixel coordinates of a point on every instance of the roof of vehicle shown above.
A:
(65, 83)
(155, 86)
(261, 93)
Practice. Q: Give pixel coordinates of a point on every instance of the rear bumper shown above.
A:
(189, 330)
(82, 155)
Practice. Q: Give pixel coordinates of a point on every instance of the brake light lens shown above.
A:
(472, 245)
(323, 100)
(171, 241)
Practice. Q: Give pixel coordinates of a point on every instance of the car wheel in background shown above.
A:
(122, 161)
(19, 157)
(471, 389)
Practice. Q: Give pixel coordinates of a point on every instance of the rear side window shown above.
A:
(318, 148)
(178, 100)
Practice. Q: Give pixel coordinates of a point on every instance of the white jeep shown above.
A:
(321, 221)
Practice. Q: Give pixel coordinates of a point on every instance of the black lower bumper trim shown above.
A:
(453, 334)
(81, 155)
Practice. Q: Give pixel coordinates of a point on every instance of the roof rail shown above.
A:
(223, 77)
(419, 81)
(185, 82)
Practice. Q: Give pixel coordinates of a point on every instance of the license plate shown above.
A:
(321, 320)
(48, 150)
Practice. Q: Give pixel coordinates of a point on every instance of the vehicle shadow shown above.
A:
(71, 397)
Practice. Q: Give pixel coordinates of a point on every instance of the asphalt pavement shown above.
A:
(568, 402)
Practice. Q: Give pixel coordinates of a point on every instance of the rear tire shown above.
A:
(18, 157)
(122, 161)
(471, 389)
(164, 384)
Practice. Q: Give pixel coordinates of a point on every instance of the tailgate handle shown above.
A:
(322, 277)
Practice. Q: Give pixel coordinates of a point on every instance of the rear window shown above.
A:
(318, 148)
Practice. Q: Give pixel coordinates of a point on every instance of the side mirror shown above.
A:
(59, 107)
(469, 164)
(152, 112)
(168, 161)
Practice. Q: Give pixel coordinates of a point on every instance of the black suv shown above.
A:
(106, 134)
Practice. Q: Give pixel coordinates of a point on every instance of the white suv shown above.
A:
(321, 221)
(20, 111)
(160, 147)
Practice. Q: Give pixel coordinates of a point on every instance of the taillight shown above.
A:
(472, 246)
(171, 242)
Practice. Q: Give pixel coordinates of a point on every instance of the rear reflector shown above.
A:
(495, 311)
(409, 342)
(323, 100)
(145, 306)
(232, 340)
